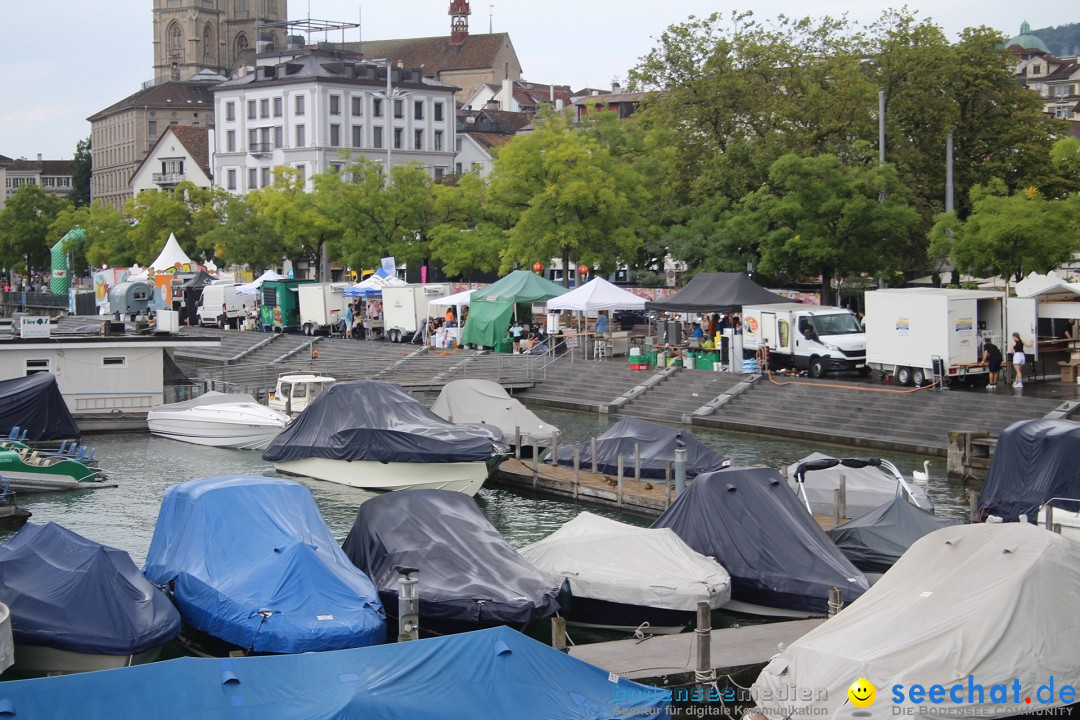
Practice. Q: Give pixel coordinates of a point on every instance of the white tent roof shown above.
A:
(608, 560)
(252, 287)
(597, 294)
(867, 488)
(1041, 285)
(171, 254)
(374, 283)
(461, 298)
(993, 601)
(486, 402)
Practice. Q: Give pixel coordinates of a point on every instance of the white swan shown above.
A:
(922, 475)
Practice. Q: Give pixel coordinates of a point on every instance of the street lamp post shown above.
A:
(389, 96)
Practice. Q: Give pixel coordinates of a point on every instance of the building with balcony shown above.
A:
(52, 176)
(313, 109)
(182, 153)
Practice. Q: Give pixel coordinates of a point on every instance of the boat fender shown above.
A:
(566, 596)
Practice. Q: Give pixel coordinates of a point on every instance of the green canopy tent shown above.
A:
(491, 309)
(59, 279)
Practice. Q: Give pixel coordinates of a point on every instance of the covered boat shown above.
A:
(981, 617)
(228, 420)
(868, 483)
(656, 445)
(35, 405)
(623, 576)
(484, 402)
(496, 673)
(374, 435)
(469, 576)
(875, 541)
(295, 391)
(781, 563)
(77, 605)
(1034, 461)
(252, 566)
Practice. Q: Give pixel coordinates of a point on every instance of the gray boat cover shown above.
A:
(375, 420)
(467, 570)
(657, 447)
(867, 487)
(773, 549)
(209, 398)
(1034, 461)
(485, 402)
(34, 403)
(707, 292)
(875, 541)
(978, 611)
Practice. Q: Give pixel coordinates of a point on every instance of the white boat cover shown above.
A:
(597, 294)
(867, 488)
(7, 643)
(608, 560)
(483, 402)
(988, 604)
(252, 288)
(171, 254)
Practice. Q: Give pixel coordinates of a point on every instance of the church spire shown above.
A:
(459, 21)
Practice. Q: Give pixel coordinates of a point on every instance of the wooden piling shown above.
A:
(843, 497)
(594, 464)
(558, 633)
(619, 477)
(973, 505)
(667, 483)
(517, 442)
(637, 461)
(704, 640)
(555, 446)
(577, 471)
(535, 465)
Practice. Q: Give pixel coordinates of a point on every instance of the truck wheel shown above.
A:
(903, 376)
(817, 367)
(919, 377)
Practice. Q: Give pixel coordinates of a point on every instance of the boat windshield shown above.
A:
(838, 324)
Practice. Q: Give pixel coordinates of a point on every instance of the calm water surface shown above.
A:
(143, 466)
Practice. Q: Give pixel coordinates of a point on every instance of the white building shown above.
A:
(182, 153)
(309, 109)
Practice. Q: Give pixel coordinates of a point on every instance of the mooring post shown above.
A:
(667, 483)
(973, 505)
(680, 468)
(517, 442)
(1049, 517)
(843, 497)
(536, 463)
(555, 448)
(637, 461)
(836, 600)
(704, 641)
(408, 606)
(619, 476)
(594, 464)
(837, 518)
(558, 633)
(577, 470)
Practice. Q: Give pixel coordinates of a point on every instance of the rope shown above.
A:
(768, 374)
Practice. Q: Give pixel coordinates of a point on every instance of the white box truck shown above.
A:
(216, 296)
(322, 306)
(909, 329)
(807, 337)
(405, 308)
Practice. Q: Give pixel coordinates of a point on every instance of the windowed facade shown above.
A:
(230, 176)
(399, 109)
(357, 106)
(438, 140)
(335, 136)
(335, 104)
(253, 178)
(377, 139)
(418, 139)
(251, 110)
(301, 139)
(300, 105)
(438, 111)
(264, 108)
(376, 107)
(418, 110)
(230, 141)
(230, 111)
(357, 136)
(277, 107)
(397, 138)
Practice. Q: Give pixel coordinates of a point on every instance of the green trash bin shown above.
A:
(505, 345)
(650, 358)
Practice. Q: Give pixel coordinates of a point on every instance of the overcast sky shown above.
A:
(63, 60)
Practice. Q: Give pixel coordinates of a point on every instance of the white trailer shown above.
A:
(808, 337)
(322, 306)
(220, 298)
(909, 329)
(405, 308)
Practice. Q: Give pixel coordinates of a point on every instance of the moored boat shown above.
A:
(875, 541)
(1035, 462)
(228, 420)
(252, 567)
(373, 435)
(295, 391)
(40, 471)
(868, 484)
(77, 605)
(624, 577)
(474, 401)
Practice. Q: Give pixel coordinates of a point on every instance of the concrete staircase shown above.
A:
(583, 384)
(681, 394)
(234, 345)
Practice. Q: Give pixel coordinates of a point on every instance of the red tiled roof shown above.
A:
(195, 139)
(436, 54)
(489, 141)
(45, 167)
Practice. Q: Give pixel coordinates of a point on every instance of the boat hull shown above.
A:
(622, 617)
(466, 477)
(38, 659)
(241, 436)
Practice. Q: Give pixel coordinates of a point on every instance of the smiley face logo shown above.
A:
(862, 693)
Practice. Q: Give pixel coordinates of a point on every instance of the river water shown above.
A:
(143, 466)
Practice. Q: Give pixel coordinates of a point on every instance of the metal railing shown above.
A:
(172, 178)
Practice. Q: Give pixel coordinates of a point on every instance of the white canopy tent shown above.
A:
(597, 294)
(252, 288)
(171, 255)
(373, 285)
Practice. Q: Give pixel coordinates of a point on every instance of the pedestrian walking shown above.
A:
(1019, 359)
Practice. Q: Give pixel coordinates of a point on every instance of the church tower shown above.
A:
(195, 35)
(459, 21)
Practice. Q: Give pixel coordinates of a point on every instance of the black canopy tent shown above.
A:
(707, 292)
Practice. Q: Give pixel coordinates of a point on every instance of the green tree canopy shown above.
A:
(24, 227)
(80, 174)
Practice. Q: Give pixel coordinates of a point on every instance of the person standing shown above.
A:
(1019, 359)
(350, 316)
(991, 355)
(516, 332)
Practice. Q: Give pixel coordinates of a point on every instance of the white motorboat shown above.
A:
(373, 435)
(228, 420)
(294, 392)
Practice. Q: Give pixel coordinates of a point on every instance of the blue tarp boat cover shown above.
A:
(375, 420)
(754, 526)
(468, 572)
(875, 541)
(495, 673)
(34, 403)
(1034, 461)
(234, 547)
(70, 593)
(657, 448)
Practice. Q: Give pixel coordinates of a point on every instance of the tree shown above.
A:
(24, 227)
(82, 166)
(187, 211)
(468, 238)
(562, 194)
(1009, 235)
(243, 236)
(820, 217)
(107, 241)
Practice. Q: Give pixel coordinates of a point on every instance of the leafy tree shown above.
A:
(80, 175)
(24, 227)
(107, 241)
(187, 211)
(469, 237)
(820, 217)
(244, 236)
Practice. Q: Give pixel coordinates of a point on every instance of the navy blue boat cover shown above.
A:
(468, 572)
(751, 522)
(1034, 461)
(657, 447)
(34, 403)
(234, 547)
(875, 541)
(375, 420)
(495, 673)
(70, 593)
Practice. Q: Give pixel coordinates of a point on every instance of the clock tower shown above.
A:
(459, 21)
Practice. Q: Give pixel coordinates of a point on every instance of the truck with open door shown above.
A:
(806, 337)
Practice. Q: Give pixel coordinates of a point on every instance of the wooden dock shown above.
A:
(672, 656)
